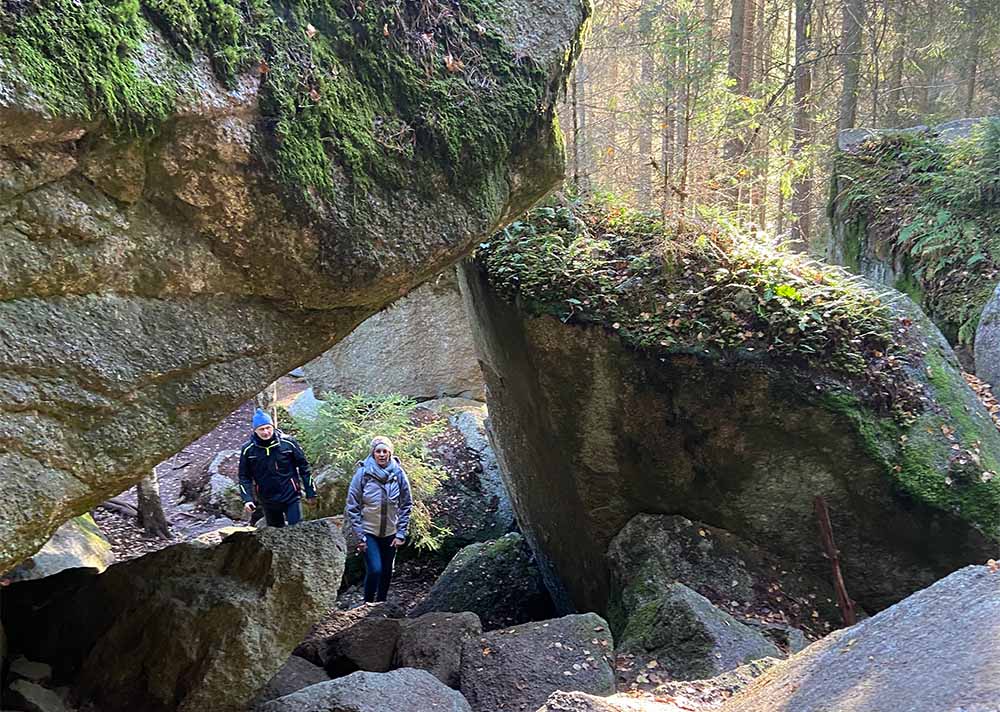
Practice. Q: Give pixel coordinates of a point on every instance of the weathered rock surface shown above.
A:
(192, 627)
(433, 642)
(419, 346)
(294, 675)
(582, 702)
(473, 424)
(987, 344)
(688, 637)
(369, 645)
(212, 484)
(936, 650)
(363, 638)
(655, 550)
(78, 543)
(404, 689)
(591, 431)
(497, 580)
(153, 279)
(28, 696)
(518, 668)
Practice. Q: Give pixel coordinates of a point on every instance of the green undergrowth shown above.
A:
(937, 205)
(701, 288)
(342, 430)
(375, 90)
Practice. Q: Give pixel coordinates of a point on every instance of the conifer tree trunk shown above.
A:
(801, 203)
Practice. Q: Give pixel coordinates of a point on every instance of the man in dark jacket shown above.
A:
(274, 472)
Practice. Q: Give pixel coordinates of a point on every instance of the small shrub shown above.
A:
(339, 436)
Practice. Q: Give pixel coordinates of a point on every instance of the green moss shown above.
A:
(379, 92)
(937, 205)
(79, 58)
(944, 458)
(698, 288)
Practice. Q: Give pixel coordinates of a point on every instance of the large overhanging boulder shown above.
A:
(705, 375)
(193, 202)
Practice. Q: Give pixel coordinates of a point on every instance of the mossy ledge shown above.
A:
(927, 207)
(375, 90)
(863, 355)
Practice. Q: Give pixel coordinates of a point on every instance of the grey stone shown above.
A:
(30, 670)
(420, 346)
(403, 689)
(987, 345)
(79, 543)
(590, 432)
(195, 626)
(518, 668)
(294, 675)
(149, 287)
(653, 550)
(369, 645)
(496, 580)
(29, 696)
(305, 406)
(936, 650)
(433, 642)
(474, 426)
(211, 484)
(582, 702)
(688, 637)
(297, 372)
(363, 638)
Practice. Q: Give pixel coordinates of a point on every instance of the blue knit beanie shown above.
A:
(261, 418)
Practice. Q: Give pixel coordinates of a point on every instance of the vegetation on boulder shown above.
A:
(370, 89)
(702, 288)
(935, 204)
(707, 290)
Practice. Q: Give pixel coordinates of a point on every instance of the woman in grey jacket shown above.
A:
(378, 507)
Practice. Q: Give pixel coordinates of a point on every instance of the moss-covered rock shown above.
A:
(918, 210)
(79, 543)
(497, 580)
(198, 196)
(688, 637)
(762, 382)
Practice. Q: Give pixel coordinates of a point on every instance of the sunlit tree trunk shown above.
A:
(151, 516)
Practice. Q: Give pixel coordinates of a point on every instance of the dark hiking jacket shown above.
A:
(274, 472)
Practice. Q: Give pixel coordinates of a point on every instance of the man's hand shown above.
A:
(397, 543)
(310, 501)
(249, 507)
(362, 546)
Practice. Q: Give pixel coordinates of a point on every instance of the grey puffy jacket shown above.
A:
(376, 506)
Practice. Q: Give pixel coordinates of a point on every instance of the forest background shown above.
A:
(730, 109)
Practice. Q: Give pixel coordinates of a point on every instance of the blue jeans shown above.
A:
(278, 514)
(378, 566)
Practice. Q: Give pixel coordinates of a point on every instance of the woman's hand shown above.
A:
(398, 543)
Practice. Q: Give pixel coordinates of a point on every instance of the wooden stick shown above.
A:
(826, 534)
